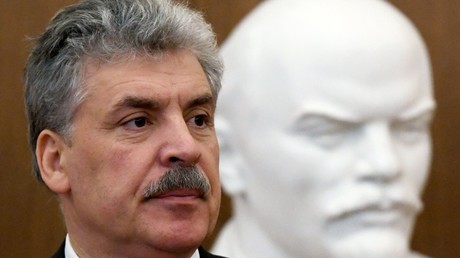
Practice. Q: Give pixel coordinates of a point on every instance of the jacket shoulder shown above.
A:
(206, 254)
(60, 252)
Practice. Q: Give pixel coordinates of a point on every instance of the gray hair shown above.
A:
(105, 30)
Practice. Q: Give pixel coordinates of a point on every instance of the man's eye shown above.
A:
(200, 121)
(136, 123)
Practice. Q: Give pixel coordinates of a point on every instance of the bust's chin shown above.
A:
(371, 243)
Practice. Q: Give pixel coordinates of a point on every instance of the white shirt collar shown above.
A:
(196, 254)
(70, 253)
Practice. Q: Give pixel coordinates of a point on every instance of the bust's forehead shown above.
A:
(320, 43)
(324, 35)
(329, 12)
(295, 24)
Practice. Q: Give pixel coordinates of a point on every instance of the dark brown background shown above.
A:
(30, 224)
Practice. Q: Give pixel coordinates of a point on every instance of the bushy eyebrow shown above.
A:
(137, 102)
(151, 104)
(202, 100)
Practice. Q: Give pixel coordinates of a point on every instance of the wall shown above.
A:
(438, 229)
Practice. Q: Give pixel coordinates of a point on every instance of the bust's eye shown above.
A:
(413, 130)
(325, 131)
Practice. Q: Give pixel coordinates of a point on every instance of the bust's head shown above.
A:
(323, 123)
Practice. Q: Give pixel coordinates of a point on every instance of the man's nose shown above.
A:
(179, 145)
(378, 159)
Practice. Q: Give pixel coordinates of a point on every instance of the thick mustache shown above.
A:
(179, 177)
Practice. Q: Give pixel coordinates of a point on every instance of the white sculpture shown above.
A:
(323, 123)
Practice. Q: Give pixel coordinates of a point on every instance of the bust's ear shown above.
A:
(49, 150)
(231, 162)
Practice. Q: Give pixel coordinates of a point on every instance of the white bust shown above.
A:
(323, 123)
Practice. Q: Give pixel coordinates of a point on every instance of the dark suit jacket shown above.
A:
(203, 253)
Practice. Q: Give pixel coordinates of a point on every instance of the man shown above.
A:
(120, 96)
(324, 130)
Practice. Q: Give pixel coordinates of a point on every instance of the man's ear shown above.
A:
(231, 168)
(50, 147)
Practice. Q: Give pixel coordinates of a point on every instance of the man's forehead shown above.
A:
(147, 82)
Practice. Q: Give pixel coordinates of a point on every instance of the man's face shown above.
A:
(140, 119)
(338, 153)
